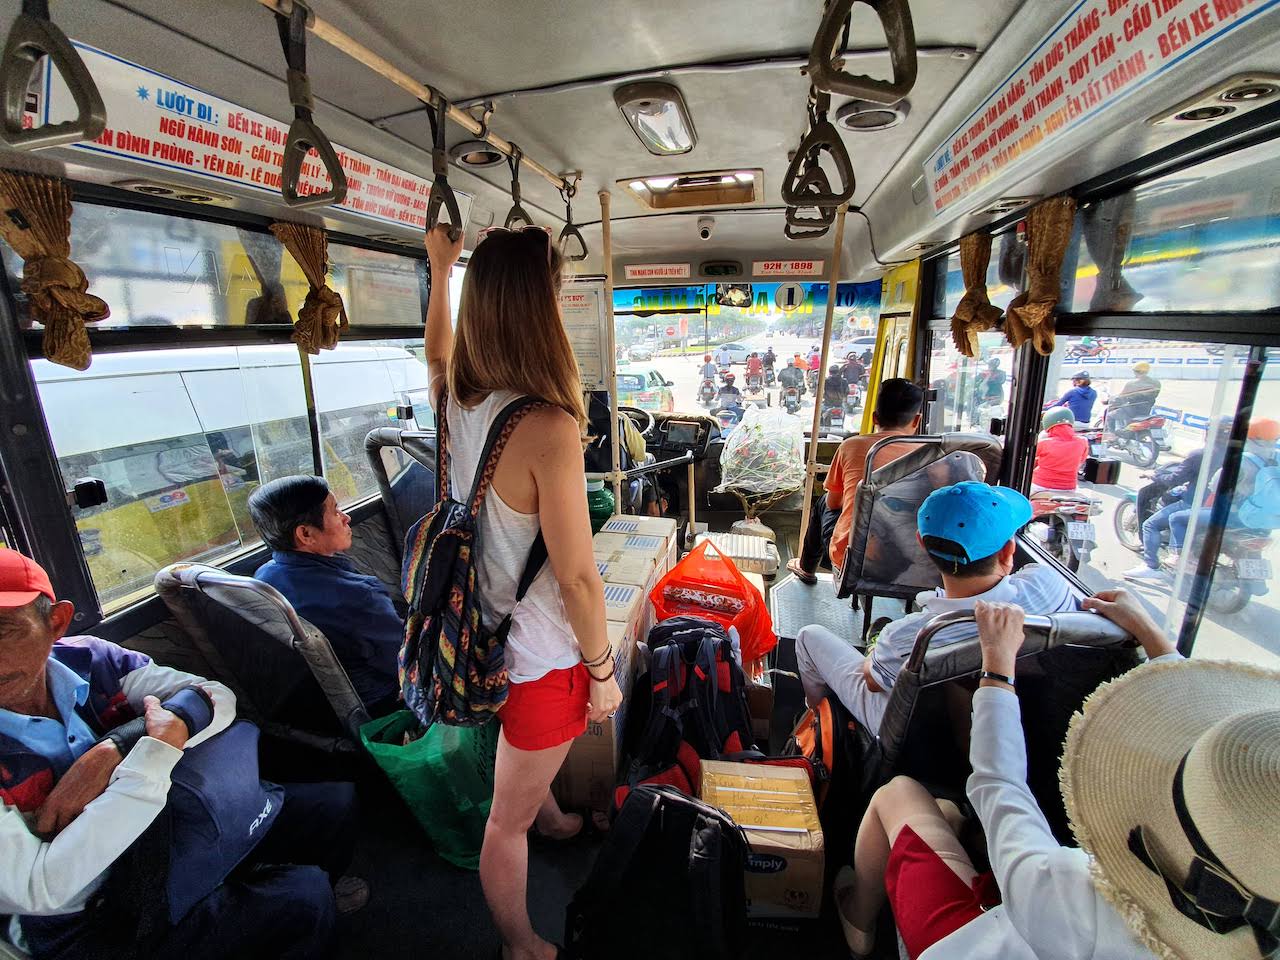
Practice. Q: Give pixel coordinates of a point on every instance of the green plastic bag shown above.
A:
(445, 776)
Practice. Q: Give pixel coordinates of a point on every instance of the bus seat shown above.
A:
(1064, 658)
(9, 952)
(884, 558)
(404, 463)
(251, 629)
(376, 552)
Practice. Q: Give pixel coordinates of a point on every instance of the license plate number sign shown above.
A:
(1082, 531)
(1253, 569)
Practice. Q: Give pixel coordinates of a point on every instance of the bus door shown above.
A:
(895, 347)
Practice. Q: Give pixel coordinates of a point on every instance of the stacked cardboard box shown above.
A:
(776, 809)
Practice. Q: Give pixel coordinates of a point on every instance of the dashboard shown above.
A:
(674, 436)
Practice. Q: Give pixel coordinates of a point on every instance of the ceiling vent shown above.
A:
(863, 116)
(708, 188)
(1006, 205)
(721, 269)
(1230, 98)
(175, 191)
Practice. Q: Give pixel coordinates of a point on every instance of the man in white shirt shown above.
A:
(90, 733)
(967, 529)
(724, 357)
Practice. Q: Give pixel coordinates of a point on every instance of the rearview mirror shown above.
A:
(670, 383)
(733, 294)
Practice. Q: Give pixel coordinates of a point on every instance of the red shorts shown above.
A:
(546, 712)
(929, 901)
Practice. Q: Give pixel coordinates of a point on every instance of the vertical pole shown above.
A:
(313, 417)
(833, 280)
(610, 364)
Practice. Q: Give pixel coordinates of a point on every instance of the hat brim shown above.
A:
(9, 599)
(1117, 772)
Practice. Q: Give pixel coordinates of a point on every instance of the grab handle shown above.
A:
(33, 36)
(441, 193)
(571, 232)
(304, 135)
(801, 187)
(516, 216)
(900, 38)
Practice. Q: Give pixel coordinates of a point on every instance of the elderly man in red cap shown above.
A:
(90, 736)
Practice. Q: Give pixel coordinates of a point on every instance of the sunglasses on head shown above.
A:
(528, 228)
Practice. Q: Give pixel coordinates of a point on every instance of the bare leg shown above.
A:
(554, 823)
(522, 779)
(901, 802)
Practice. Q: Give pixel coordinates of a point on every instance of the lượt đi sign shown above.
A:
(1100, 52)
(158, 121)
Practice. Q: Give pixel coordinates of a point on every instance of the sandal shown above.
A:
(843, 882)
(801, 574)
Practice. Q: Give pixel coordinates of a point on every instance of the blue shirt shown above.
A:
(59, 742)
(1079, 400)
(354, 612)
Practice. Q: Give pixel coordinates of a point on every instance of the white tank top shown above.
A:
(540, 639)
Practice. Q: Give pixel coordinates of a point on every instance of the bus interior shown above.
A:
(875, 181)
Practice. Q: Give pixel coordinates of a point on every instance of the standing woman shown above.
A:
(510, 342)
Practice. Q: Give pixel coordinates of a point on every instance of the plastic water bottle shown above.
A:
(600, 504)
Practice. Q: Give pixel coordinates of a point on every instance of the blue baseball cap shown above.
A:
(978, 517)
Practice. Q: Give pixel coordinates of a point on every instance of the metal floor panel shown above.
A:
(794, 605)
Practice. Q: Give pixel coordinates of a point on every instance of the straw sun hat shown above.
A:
(1169, 751)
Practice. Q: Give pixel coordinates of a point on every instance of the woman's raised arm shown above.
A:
(443, 253)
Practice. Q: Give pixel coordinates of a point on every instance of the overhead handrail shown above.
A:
(32, 37)
(517, 214)
(441, 192)
(304, 135)
(832, 37)
(571, 231)
(330, 34)
(801, 187)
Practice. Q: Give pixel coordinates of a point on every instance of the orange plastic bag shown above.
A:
(708, 584)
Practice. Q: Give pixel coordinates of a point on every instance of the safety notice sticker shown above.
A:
(161, 122)
(1101, 51)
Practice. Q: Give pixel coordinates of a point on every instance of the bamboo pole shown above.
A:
(331, 35)
(609, 363)
(833, 280)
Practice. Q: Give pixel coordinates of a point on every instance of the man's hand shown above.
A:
(84, 782)
(165, 725)
(1123, 609)
(1000, 635)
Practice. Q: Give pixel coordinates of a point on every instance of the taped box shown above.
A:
(776, 809)
(661, 527)
(657, 550)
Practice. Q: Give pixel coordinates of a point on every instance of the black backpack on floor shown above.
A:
(669, 882)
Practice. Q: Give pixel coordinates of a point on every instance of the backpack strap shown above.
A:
(442, 447)
(504, 424)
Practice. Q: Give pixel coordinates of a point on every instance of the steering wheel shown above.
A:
(643, 420)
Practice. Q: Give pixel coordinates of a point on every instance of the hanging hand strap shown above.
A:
(441, 192)
(516, 215)
(304, 135)
(801, 186)
(32, 37)
(571, 232)
(833, 37)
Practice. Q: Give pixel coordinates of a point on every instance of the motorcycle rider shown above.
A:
(792, 376)
(1135, 400)
(1260, 454)
(1177, 481)
(854, 371)
(1079, 399)
(1059, 454)
(834, 389)
(770, 358)
(991, 383)
(815, 358)
(754, 368)
(729, 394)
(708, 369)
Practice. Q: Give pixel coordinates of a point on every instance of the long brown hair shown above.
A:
(510, 335)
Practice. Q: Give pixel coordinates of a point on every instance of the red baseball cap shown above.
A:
(21, 580)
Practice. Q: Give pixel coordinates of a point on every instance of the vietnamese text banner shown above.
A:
(162, 122)
(1098, 53)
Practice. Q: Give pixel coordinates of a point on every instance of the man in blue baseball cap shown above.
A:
(967, 530)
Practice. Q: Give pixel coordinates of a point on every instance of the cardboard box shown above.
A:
(656, 549)
(760, 705)
(775, 807)
(662, 527)
(621, 567)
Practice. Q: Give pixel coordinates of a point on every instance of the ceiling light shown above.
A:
(658, 116)
(638, 185)
(745, 177)
(660, 183)
(476, 153)
(711, 188)
(861, 116)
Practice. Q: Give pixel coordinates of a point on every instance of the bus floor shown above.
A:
(420, 905)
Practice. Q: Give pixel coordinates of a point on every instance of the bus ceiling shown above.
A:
(1010, 102)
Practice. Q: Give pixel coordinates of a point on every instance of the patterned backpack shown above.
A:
(453, 668)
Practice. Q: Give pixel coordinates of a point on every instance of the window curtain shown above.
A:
(1108, 227)
(323, 316)
(36, 223)
(1030, 315)
(265, 257)
(975, 312)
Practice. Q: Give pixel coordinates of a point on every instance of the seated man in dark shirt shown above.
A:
(299, 519)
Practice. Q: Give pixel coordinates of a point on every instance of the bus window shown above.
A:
(181, 438)
(358, 387)
(378, 288)
(1157, 408)
(971, 391)
(1004, 275)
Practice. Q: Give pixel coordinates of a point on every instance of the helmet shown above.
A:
(993, 362)
(706, 358)
(1141, 367)
(729, 378)
(1265, 430)
(1081, 375)
(1055, 416)
(834, 370)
